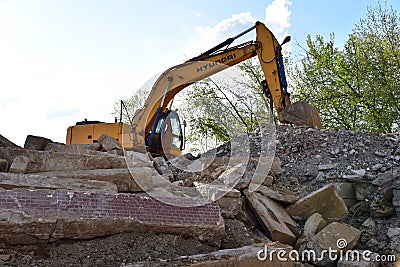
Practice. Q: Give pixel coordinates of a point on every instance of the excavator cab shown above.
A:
(168, 135)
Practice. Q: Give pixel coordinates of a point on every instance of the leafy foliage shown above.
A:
(357, 87)
(216, 108)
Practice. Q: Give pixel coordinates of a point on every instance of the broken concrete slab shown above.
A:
(273, 217)
(286, 197)
(232, 175)
(122, 178)
(325, 201)
(91, 149)
(335, 236)
(33, 142)
(43, 161)
(19, 164)
(332, 235)
(41, 216)
(314, 224)
(108, 143)
(40, 181)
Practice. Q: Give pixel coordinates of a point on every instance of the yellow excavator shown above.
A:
(157, 129)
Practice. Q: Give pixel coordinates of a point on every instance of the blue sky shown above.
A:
(66, 60)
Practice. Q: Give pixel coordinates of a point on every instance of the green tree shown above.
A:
(217, 107)
(357, 87)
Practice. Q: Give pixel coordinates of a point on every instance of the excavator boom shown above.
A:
(214, 60)
(147, 122)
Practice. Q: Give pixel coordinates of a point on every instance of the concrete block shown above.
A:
(108, 143)
(40, 181)
(286, 197)
(325, 201)
(275, 220)
(19, 164)
(36, 142)
(314, 224)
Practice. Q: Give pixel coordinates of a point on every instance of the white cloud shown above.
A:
(277, 19)
(207, 37)
(277, 16)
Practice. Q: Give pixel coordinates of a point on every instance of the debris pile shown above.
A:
(325, 190)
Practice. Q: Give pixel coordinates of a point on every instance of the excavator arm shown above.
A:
(176, 78)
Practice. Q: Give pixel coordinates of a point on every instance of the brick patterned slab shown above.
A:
(37, 216)
(64, 204)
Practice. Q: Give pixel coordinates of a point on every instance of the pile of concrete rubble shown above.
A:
(337, 190)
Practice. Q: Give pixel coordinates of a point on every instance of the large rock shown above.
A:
(284, 197)
(4, 142)
(335, 237)
(90, 149)
(40, 181)
(325, 201)
(122, 178)
(20, 164)
(43, 161)
(314, 224)
(330, 235)
(108, 143)
(33, 142)
(273, 217)
(41, 216)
